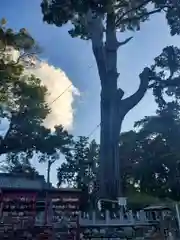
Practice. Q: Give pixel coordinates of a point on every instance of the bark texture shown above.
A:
(113, 106)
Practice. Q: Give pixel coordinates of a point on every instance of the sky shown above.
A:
(70, 63)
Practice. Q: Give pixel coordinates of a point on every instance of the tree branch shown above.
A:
(130, 102)
(120, 94)
(124, 42)
(173, 82)
(126, 20)
(165, 83)
(131, 10)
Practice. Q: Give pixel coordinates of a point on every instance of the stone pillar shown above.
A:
(94, 217)
(142, 216)
(107, 217)
(130, 216)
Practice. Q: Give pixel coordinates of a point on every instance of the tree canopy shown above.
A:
(23, 104)
(128, 14)
(157, 156)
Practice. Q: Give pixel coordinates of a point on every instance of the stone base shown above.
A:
(117, 219)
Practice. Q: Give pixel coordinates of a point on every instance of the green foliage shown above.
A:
(128, 14)
(155, 159)
(80, 169)
(81, 163)
(21, 40)
(52, 144)
(19, 165)
(164, 76)
(138, 200)
(23, 106)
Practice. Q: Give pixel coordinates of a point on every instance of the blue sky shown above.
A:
(75, 58)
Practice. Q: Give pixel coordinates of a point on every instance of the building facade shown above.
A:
(30, 204)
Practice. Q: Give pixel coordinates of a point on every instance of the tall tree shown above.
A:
(99, 21)
(23, 105)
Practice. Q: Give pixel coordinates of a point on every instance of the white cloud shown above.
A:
(57, 82)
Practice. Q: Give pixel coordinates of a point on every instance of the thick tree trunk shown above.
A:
(113, 107)
(110, 175)
(50, 162)
(48, 172)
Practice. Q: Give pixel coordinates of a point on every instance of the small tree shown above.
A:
(99, 21)
(80, 169)
(81, 164)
